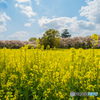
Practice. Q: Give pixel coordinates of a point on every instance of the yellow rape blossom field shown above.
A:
(33, 74)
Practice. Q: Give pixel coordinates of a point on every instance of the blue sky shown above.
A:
(23, 19)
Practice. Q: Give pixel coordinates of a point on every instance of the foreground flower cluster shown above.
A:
(33, 74)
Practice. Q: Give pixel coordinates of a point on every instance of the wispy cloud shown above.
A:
(92, 11)
(27, 10)
(6, 17)
(27, 24)
(3, 18)
(23, 1)
(2, 28)
(30, 23)
(37, 2)
(18, 35)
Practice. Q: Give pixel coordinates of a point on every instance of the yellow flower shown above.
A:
(98, 98)
(85, 99)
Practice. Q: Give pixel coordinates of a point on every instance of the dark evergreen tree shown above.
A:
(65, 34)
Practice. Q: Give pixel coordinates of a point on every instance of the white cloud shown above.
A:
(92, 11)
(2, 21)
(27, 24)
(86, 25)
(18, 35)
(76, 27)
(23, 1)
(55, 23)
(37, 2)
(2, 28)
(3, 18)
(26, 10)
(16, 5)
(7, 17)
(30, 22)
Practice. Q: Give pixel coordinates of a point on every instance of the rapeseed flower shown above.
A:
(48, 73)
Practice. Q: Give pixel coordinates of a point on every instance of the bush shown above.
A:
(10, 47)
(30, 46)
(48, 47)
(42, 47)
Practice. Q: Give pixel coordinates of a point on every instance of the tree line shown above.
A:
(51, 38)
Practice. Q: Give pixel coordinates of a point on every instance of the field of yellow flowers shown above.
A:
(33, 74)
